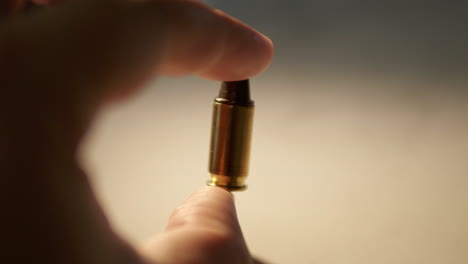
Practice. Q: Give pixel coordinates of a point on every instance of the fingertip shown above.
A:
(211, 44)
(212, 197)
(214, 191)
(248, 54)
(204, 229)
(208, 207)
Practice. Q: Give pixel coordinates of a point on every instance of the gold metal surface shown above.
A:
(231, 134)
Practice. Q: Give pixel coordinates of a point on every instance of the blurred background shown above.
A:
(360, 148)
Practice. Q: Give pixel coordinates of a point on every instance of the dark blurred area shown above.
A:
(426, 39)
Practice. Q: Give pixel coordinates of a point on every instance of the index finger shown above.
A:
(118, 44)
(211, 44)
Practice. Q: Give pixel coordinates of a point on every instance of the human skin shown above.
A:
(58, 68)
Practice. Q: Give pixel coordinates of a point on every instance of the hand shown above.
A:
(58, 68)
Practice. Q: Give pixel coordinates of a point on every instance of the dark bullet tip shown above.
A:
(235, 93)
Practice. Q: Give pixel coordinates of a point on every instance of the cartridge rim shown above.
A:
(229, 187)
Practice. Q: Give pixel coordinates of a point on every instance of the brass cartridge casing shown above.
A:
(231, 134)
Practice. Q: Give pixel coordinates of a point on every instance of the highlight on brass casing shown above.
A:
(231, 134)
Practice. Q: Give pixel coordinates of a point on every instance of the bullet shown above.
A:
(231, 133)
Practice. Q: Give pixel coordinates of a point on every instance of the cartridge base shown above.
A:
(218, 181)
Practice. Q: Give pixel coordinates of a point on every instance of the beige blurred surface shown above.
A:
(344, 170)
(360, 147)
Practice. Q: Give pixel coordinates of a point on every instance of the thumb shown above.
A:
(204, 229)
